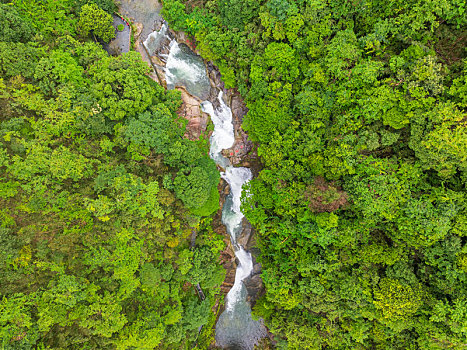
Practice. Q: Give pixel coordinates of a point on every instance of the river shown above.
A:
(235, 328)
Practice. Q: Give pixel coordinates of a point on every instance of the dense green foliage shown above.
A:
(13, 28)
(93, 19)
(99, 192)
(359, 111)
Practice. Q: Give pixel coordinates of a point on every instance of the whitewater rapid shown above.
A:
(235, 328)
(232, 216)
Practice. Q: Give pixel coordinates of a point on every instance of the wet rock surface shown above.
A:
(215, 77)
(255, 288)
(244, 238)
(227, 257)
(191, 110)
(254, 285)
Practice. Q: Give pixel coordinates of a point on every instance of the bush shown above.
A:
(120, 27)
(13, 27)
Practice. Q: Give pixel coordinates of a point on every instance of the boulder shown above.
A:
(183, 38)
(157, 61)
(195, 127)
(238, 108)
(138, 28)
(255, 288)
(188, 98)
(245, 235)
(191, 110)
(224, 190)
(215, 77)
(160, 76)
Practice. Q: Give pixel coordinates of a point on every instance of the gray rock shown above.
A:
(244, 238)
(256, 269)
(255, 288)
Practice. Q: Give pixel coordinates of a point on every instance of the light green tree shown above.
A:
(94, 19)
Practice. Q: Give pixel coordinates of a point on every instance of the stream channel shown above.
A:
(235, 328)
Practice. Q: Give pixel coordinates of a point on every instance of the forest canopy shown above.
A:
(358, 110)
(99, 191)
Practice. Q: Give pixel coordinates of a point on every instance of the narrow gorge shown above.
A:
(176, 66)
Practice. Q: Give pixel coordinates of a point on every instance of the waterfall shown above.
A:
(154, 39)
(235, 327)
(223, 134)
(222, 138)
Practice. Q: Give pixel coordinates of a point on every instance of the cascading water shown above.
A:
(154, 39)
(182, 67)
(235, 328)
(188, 70)
(223, 135)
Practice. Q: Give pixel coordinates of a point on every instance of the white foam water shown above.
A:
(178, 69)
(184, 68)
(232, 218)
(223, 134)
(244, 269)
(154, 39)
(235, 328)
